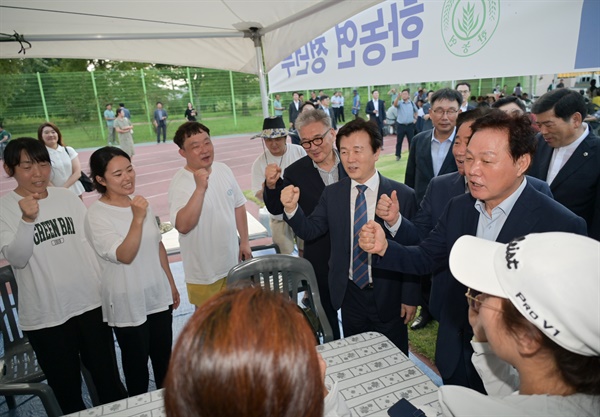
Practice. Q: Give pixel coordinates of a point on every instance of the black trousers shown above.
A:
(359, 315)
(152, 339)
(59, 348)
(161, 127)
(402, 130)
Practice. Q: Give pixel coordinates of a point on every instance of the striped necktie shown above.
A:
(360, 264)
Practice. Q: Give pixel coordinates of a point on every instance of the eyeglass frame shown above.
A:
(441, 112)
(475, 303)
(316, 141)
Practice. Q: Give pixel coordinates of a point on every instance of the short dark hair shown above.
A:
(107, 104)
(579, 372)
(464, 83)
(565, 103)
(35, 149)
(361, 125)
(246, 351)
(474, 114)
(324, 96)
(405, 89)
(507, 100)
(159, 102)
(307, 104)
(119, 111)
(121, 104)
(521, 136)
(50, 125)
(99, 161)
(447, 94)
(187, 130)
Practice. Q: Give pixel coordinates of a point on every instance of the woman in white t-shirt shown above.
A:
(66, 168)
(42, 237)
(138, 290)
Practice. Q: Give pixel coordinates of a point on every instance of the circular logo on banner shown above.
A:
(467, 25)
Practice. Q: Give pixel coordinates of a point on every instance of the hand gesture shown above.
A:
(201, 179)
(139, 207)
(372, 238)
(272, 174)
(408, 312)
(289, 198)
(388, 208)
(30, 207)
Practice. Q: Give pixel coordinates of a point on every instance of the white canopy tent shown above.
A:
(224, 34)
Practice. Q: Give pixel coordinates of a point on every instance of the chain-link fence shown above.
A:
(227, 102)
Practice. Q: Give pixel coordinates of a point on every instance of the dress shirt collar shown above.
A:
(372, 183)
(505, 206)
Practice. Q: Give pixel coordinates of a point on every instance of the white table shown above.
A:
(255, 231)
(372, 375)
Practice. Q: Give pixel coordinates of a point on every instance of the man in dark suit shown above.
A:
(370, 299)
(294, 110)
(440, 191)
(376, 111)
(431, 151)
(501, 206)
(465, 91)
(321, 167)
(160, 122)
(568, 155)
(325, 102)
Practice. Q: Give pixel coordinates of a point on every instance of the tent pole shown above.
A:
(260, 65)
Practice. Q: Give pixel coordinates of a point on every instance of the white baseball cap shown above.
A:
(553, 279)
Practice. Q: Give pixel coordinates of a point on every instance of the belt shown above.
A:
(406, 124)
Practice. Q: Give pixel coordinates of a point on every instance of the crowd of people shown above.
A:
(497, 203)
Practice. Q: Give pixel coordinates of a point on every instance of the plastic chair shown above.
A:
(288, 275)
(43, 391)
(22, 371)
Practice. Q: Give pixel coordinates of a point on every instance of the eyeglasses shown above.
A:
(475, 300)
(316, 141)
(449, 112)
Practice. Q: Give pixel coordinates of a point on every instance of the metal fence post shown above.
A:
(39, 78)
(100, 118)
(232, 98)
(146, 101)
(189, 80)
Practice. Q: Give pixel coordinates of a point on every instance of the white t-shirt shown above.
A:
(291, 155)
(54, 264)
(211, 248)
(62, 167)
(129, 292)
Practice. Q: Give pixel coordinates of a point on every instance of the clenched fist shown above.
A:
(289, 198)
(388, 208)
(30, 207)
(201, 179)
(372, 238)
(139, 207)
(272, 174)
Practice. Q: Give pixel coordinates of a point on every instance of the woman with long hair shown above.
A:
(42, 237)
(66, 168)
(138, 290)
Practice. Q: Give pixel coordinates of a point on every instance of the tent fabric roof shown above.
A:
(202, 33)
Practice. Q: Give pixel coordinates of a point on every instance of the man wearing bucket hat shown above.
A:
(534, 305)
(277, 153)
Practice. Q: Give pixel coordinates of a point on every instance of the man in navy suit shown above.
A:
(431, 151)
(501, 206)
(465, 91)
(568, 155)
(376, 111)
(381, 301)
(294, 110)
(321, 167)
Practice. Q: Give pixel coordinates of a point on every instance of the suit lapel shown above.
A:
(580, 157)
(544, 155)
(518, 222)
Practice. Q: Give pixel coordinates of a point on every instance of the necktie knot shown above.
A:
(361, 188)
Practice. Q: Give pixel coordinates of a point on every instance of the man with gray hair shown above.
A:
(321, 167)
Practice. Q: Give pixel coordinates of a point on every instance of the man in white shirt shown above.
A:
(568, 155)
(276, 152)
(207, 207)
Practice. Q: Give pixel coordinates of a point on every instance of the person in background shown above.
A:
(277, 106)
(355, 103)
(160, 122)
(534, 309)
(125, 110)
(124, 130)
(66, 168)
(109, 116)
(281, 373)
(42, 237)
(190, 113)
(4, 138)
(465, 90)
(138, 289)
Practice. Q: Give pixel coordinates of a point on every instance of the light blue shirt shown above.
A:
(439, 150)
(406, 112)
(489, 227)
(276, 105)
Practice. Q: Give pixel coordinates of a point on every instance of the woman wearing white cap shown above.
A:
(535, 313)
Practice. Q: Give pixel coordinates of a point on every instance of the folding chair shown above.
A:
(22, 371)
(288, 275)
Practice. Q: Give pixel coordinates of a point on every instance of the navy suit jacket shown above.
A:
(533, 212)
(332, 215)
(305, 176)
(380, 116)
(419, 168)
(293, 112)
(577, 184)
